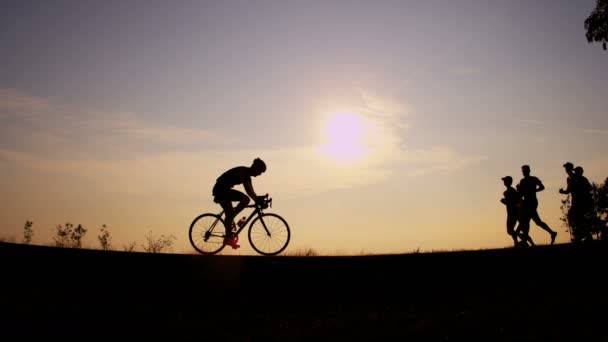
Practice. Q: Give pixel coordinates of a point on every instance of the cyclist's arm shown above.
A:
(249, 189)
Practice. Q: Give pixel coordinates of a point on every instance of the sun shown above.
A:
(344, 134)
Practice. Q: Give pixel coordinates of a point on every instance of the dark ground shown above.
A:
(545, 293)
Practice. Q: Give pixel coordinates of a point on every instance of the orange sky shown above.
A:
(386, 126)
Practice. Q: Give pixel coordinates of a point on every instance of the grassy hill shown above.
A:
(536, 294)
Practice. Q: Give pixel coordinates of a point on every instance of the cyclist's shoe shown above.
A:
(232, 241)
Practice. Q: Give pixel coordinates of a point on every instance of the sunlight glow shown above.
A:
(344, 137)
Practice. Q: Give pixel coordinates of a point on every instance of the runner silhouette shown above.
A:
(511, 199)
(581, 205)
(528, 187)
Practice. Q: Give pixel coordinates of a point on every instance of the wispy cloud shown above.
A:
(464, 71)
(170, 170)
(45, 127)
(436, 159)
(529, 121)
(14, 104)
(384, 144)
(596, 131)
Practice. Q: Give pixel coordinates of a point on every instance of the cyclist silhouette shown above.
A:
(224, 194)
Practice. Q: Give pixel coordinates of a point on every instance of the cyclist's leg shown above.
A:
(229, 196)
(221, 197)
(237, 196)
(226, 204)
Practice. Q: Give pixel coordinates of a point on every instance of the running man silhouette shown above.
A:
(511, 199)
(528, 187)
(579, 188)
(224, 194)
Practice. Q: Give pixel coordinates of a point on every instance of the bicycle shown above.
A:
(268, 233)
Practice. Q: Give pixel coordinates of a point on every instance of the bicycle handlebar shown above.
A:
(263, 202)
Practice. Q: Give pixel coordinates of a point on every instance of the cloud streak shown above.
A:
(529, 121)
(43, 127)
(596, 131)
(13, 102)
(170, 169)
(465, 71)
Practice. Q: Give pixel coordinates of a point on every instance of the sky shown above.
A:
(386, 126)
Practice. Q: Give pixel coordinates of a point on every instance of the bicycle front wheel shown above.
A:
(269, 234)
(207, 234)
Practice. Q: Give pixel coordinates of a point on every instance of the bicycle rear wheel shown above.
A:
(269, 234)
(207, 234)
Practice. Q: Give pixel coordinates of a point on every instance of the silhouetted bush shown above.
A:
(28, 232)
(158, 244)
(105, 240)
(130, 247)
(68, 236)
(599, 225)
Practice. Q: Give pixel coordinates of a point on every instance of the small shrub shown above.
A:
(158, 244)
(105, 240)
(130, 247)
(68, 236)
(28, 232)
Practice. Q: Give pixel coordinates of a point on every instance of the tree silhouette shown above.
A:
(599, 225)
(597, 221)
(597, 24)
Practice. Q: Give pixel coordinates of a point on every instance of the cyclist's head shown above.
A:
(568, 166)
(578, 170)
(258, 167)
(508, 180)
(525, 169)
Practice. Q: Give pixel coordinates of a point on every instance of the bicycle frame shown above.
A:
(270, 237)
(257, 211)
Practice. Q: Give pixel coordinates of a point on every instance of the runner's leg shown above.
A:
(511, 222)
(543, 225)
